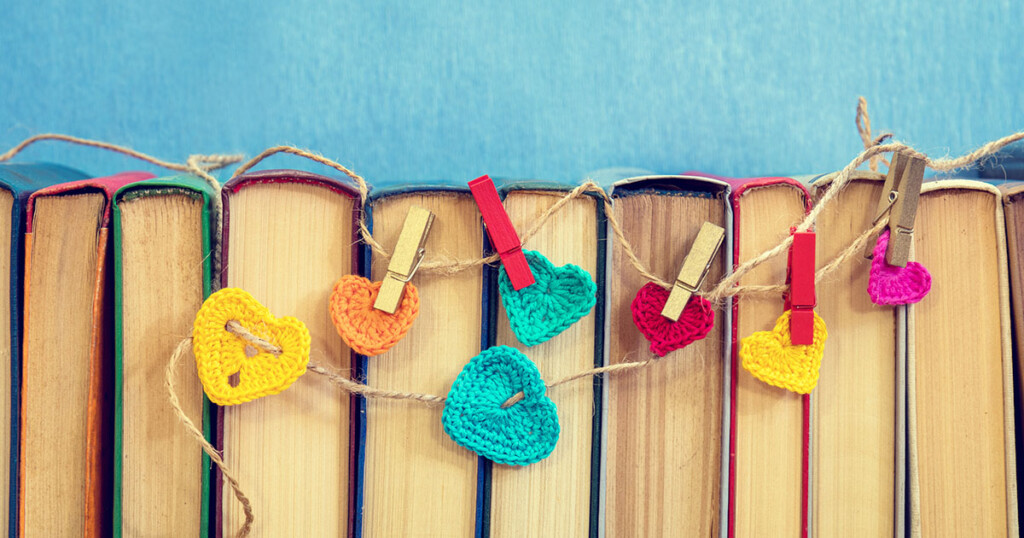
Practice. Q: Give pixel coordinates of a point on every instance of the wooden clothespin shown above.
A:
(801, 298)
(503, 235)
(899, 199)
(405, 260)
(694, 270)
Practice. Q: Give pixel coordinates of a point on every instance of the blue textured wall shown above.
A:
(550, 88)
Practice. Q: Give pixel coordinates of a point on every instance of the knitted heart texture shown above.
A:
(892, 285)
(365, 329)
(771, 357)
(559, 297)
(664, 334)
(220, 354)
(475, 417)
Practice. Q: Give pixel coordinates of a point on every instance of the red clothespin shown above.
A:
(503, 235)
(801, 299)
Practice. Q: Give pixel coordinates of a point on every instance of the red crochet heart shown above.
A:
(664, 334)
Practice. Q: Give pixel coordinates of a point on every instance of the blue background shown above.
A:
(551, 89)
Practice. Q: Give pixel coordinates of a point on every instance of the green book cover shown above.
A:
(177, 185)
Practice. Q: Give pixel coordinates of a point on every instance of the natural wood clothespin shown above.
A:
(405, 260)
(694, 270)
(899, 199)
(801, 298)
(503, 235)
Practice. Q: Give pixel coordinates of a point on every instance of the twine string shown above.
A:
(204, 162)
(728, 286)
(185, 346)
(348, 385)
(344, 383)
(863, 122)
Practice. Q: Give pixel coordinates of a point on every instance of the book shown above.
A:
(163, 271)
(664, 450)
(858, 457)
(768, 425)
(959, 368)
(558, 496)
(1014, 212)
(17, 183)
(288, 236)
(415, 479)
(67, 360)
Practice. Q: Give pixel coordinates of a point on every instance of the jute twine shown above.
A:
(727, 287)
(201, 165)
(205, 163)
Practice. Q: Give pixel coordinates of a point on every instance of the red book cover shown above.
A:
(96, 511)
(740, 188)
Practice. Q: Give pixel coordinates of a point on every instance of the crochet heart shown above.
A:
(664, 334)
(476, 416)
(891, 285)
(365, 329)
(770, 357)
(559, 297)
(222, 355)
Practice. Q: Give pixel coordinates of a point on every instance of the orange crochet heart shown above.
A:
(365, 329)
(223, 356)
(770, 357)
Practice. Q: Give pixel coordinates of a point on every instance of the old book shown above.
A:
(415, 480)
(664, 424)
(768, 433)
(17, 183)
(558, 496)
(858, 442)
(857, 432)
(959, 362)
(163, 271)
(288, 237)
(67, 360)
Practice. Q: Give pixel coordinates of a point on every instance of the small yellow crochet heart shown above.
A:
(770, 357)
(234, 369)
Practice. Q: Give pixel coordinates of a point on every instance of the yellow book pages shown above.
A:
(552, 497)
(963, 476)
(664, 423)
(161, 291)
(63, 257)
(769, 421)
(287, 244)
(854, 432)
(416, 480)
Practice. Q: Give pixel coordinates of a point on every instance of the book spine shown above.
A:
(488, 329)
(359, 369)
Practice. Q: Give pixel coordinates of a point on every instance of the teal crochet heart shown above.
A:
(476, 418)
(559, 297)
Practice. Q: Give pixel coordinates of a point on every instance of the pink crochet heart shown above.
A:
(664, 334)
(890, 285)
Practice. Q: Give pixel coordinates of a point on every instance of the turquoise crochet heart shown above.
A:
(476, 418)
(559, 297)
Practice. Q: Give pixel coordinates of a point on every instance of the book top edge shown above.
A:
(288, 176)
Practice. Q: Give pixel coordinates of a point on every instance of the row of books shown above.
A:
(909, 431)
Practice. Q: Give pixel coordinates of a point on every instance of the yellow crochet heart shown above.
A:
(234, 370)
(770, 357)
